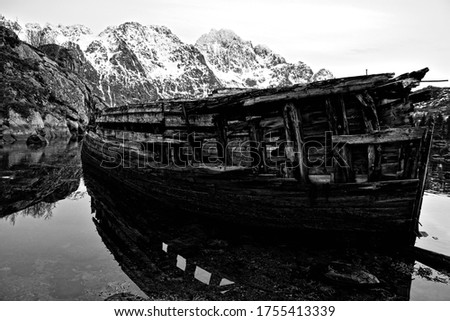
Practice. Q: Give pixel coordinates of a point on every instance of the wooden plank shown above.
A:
(222, 141)
(343, 172)
(369, 111)
(434, 260)
(333, 122)
(367, 121)
(384, 136)
(372, 107)
(307, 91)
(343, 113)
(256, 146)
(294, 131)
(371, 122)
(371, 157)
(422, 174)
(373, 162)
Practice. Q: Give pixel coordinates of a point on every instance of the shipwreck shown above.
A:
(338, 156)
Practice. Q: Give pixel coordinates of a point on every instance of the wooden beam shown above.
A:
(373, 162)
(422, 174)
(370, 117)
(333, 122)
(380, 137)
(320, 89)
(256, 144)
(369, 110)
(294, 134)
(372, 107)
(343, 174)
(434, 260)
(367, 121)
(222, 139)
(343, 112)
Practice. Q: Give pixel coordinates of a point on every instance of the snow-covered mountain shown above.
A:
(237, 63)
(132, 63)
(139, 63)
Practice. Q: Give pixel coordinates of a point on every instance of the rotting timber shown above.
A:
(339, 156)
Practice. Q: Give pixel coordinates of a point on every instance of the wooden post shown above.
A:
(373, 162)
(369, 110)
(293, 125)
(333, 126)
(333, 122)
(370, 117)
(222, 138)
(345, 128)
(196, 152)
(256, 145)
(422, 174)
(344, 174)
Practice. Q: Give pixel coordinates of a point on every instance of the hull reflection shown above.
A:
(174, 256)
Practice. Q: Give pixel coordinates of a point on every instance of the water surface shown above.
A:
(69, 234)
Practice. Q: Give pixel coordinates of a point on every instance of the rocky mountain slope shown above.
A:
(38, 94)
(130, 63)
(139, 63)
(237, 63)
(135, 63)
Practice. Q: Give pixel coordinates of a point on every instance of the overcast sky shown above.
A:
(344, 36)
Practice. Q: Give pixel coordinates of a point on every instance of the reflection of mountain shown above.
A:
(176, 257)
(31, 176)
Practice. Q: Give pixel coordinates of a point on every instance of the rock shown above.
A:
(8, 38)
(37, 141)
(125, 296)
(423, 234)
(218, 244)
(343, 273)
(40, 93)
(322, 74)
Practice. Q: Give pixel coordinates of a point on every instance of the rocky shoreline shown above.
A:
(39, 95)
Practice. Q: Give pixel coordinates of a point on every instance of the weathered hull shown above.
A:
(337, 156)
(381, 209)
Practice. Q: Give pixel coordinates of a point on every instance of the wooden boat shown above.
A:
(339, 155)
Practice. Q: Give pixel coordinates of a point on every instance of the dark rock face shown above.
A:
(72, 58)
(38, 93)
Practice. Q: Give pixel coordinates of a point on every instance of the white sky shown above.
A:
(345, 36)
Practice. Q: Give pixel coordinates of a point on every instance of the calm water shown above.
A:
(69, 234)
